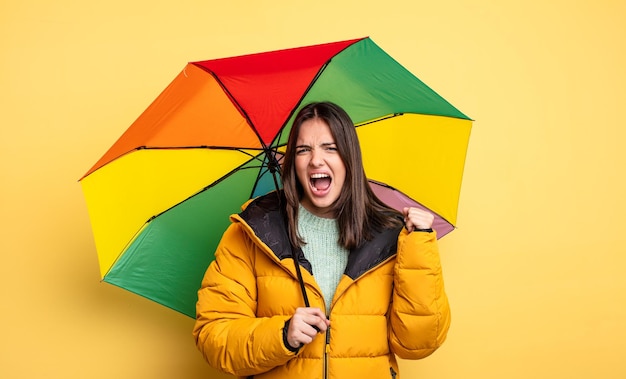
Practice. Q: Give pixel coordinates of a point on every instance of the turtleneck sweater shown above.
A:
(328, 259)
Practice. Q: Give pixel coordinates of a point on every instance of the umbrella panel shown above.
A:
(126, 193)
(398, 200)
(166, 262)
(193, 111)
(422, 156)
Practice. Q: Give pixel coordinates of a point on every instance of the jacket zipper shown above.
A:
(326, 352)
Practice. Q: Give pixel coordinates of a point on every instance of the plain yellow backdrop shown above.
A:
(534, 272)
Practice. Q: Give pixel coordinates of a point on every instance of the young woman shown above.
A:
(367, 285)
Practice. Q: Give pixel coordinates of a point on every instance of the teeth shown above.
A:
(319, 176)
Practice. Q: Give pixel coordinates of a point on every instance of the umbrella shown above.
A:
(160, 197)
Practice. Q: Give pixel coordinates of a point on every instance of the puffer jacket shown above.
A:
(390, 301)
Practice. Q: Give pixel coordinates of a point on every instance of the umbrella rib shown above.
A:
(242, 150)
(210, 147)
(214, 183)
(379, 119)
(235, 103)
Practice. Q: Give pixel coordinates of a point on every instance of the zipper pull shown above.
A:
(328, 339)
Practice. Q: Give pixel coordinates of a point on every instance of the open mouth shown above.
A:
(320, 182)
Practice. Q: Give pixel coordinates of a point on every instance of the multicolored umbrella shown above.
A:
(160, 197)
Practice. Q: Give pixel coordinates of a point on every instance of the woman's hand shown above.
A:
(416, 218)
(303, 324)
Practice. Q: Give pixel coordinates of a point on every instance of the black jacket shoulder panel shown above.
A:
(383, 246)
(265, 216)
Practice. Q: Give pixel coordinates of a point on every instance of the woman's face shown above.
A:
(319, 167)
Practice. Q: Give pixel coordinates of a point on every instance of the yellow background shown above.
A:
(535, 271)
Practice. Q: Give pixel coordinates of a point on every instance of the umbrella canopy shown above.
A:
(160, 197)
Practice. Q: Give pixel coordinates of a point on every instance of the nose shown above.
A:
(316, 158)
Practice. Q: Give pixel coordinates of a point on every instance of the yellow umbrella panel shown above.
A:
(422, 156)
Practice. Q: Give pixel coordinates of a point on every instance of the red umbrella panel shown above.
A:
(160, 197)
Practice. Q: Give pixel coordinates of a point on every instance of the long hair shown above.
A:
(358, 211)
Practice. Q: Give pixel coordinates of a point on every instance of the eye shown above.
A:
(301, 150)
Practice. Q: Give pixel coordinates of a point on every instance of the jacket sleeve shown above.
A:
(420, 312)
(227, 332)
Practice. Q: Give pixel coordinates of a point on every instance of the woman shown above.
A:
(367, 287)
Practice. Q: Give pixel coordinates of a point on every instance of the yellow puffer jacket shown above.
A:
(390, 300)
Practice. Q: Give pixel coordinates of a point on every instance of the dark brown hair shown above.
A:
(357, 210)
